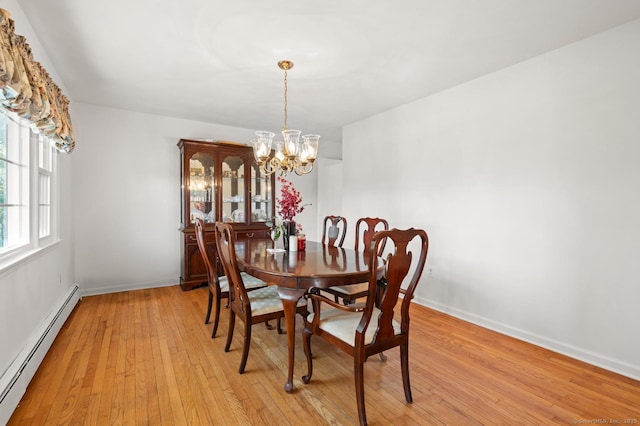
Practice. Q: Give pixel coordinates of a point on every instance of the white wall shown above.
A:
(526, 181)
(128, 196)
(330, 195)
(308, 187)
(31, 290)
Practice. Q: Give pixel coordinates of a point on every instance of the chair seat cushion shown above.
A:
(351, 289)
(266, 300)
(343, 324)
(249, 281)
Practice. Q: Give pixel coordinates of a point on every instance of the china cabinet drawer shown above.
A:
(209, 237)
(254, 233)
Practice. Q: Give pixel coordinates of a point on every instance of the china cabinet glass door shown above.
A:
(233, 194)
(201, 185)
(261, 196)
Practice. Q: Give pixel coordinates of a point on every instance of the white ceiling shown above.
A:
(215, 61)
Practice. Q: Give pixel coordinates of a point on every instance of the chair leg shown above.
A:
(280, 331)
(383, 357)
(358, 367)
(245, 347)
(216, 317)
(404, 366)
(306, 342)
(208, 316)
(269, 326)
(232, 323)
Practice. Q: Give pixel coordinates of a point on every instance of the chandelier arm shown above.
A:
(273, 165)
(288, 166)
(267, 171)
(304, 169)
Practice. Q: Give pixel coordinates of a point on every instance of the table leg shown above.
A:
(290, 297)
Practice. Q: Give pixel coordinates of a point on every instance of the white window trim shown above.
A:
(35, 246)
(53, 194)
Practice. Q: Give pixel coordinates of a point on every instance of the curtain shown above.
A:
(27, 89)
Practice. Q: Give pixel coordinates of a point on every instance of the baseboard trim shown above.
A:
(94, 291)
(16, 378)
(581, 354)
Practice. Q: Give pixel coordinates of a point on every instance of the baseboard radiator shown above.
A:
(15, 380)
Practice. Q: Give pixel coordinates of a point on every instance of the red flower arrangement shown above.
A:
(290, 203)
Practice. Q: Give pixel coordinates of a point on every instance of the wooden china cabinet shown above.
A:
(220, 182)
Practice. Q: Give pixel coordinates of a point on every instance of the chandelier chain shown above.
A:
(285, 100)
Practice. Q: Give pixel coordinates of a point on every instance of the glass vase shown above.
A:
(289, 227)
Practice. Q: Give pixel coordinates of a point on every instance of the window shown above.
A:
(27, 176)
(14, 182)
(46, 155)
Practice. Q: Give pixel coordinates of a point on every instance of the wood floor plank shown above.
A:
(145, 357)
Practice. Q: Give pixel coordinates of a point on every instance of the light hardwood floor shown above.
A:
(146, 357)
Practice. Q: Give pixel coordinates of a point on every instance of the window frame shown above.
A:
(33, 143)
(42, 145)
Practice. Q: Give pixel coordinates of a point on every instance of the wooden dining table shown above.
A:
(294, 273)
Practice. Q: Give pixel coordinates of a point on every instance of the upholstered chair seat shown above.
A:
(352, 289)
(250, 282)
(343, 324)
(267, 301)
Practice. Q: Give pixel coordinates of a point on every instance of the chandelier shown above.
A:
(291, 154)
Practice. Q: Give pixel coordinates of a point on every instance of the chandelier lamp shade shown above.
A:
(294, 153)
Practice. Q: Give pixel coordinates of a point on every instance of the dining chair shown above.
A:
(252, 307)
(334, 229)
(218, 286)
(366, 227)
(363, 329)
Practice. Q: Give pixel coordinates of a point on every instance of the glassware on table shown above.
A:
(275, 234)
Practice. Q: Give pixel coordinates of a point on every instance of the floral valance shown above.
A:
(27, 89)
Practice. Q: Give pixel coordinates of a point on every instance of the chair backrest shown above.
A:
(402, 268)
(225, 240)
(334, 229)
(208, 256)
(366, 227)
